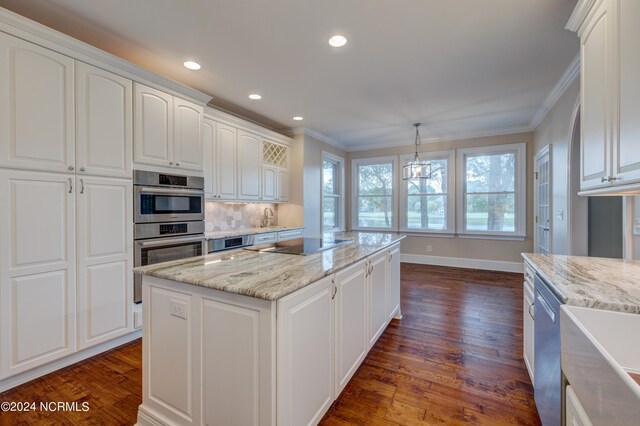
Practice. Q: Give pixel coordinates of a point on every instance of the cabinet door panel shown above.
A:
(351, 323)
(283, 185)
(269, 183)
(393, 282)
(187, 148)
(528, 329)
(210, 155)
(377, 296)
(596, 105)
(105, 279)
(153, 126)
(249, 166)
(104, 120)
(36, 107)
(626, 149)
(305, 355)
(226, 161)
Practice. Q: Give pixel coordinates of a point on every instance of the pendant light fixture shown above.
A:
(417, 169)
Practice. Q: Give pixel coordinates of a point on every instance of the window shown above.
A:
(373, 186)
(428, 204)
(493, 196)
(332, 190)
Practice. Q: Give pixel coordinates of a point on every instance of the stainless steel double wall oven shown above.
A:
(168, 219)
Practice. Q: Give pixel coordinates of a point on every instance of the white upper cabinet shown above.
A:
(153, 144)
(269, 182)
(187, 143)
(209, 150)
(166, 130)
(225, 165)
(104, 116)
(610, 100)
(36, 107)
(282, 187)
(249, 166)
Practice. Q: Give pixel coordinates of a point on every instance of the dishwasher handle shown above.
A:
(546, 307)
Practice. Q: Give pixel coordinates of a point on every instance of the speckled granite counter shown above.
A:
(248, 231)
(592, 282)
(270, 276)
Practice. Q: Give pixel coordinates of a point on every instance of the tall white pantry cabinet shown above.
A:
(66, 220)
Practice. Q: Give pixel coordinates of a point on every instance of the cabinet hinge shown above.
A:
(535, 175)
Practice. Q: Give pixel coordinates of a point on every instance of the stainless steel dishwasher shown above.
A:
(547, 372)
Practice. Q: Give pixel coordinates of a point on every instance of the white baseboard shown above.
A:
(21, 378)
(460, 262)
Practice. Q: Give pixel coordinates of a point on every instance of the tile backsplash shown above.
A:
(228, 216)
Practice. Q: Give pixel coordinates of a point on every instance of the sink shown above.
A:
(600, 353)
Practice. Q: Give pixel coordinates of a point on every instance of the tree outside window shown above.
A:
(374, 184)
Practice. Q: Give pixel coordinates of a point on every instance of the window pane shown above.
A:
(329, 173)
(375, 212)
(436, 185)
(330, 215)
(491, 173)
(490, 212)
(375, 179)
(427, 212)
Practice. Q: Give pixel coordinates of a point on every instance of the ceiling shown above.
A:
(462, 67)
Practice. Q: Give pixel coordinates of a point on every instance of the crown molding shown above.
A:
(294, 131)
(579, 14)
(34, 32)
(226, 117)
(568, 77)
(448, 138)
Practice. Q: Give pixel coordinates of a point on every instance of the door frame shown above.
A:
(545, 151)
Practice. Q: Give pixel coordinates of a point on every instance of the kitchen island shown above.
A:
(259, 338)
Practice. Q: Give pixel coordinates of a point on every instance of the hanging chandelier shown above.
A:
(417, 169)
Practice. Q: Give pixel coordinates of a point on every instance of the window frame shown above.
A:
(520, 190)
(450, 156)
(355, 189)
(340, 196)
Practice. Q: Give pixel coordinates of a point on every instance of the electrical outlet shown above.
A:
(179, 309)
(429, 250)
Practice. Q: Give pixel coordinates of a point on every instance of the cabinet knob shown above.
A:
(71, 168)
(604, 179)
(82, 169)
(612, 178)
(171, 163)
(177, 164)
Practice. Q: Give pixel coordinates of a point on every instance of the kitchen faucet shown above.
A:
(267, 217)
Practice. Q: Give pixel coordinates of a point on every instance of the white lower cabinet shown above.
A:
(104, 279)
(574, 413)
(528, 325)
(305, 354)
(377, 290)
(37, 269)
(393, 282)
(65, 268)
(352, 341)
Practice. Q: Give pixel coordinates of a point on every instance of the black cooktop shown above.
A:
(299, 246)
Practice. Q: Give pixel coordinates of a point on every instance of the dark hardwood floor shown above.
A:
(454, 358)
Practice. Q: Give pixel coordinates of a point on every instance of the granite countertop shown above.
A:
(592, 282)
(270, 276)
(247, 231)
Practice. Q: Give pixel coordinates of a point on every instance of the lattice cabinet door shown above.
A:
(275, 154)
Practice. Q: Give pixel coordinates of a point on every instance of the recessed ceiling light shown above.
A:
(192, 65)
(255, 96)
(338, 40)
(298, 118)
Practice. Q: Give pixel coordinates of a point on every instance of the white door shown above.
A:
(269, 177)
(283, 185)
(351, 322)
(377, 279)
(153, 126)
(226, 166)
(105, 259)
(305, 354)
(37, 269)
(626, 147)
(36, 107)
(187, 143)
(104, 122)
(210, 154)
(249, 166)
(596, 105)
(393, 281)
(542, 201)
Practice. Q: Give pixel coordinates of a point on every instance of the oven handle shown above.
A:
(164, 241)
(173, 191)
